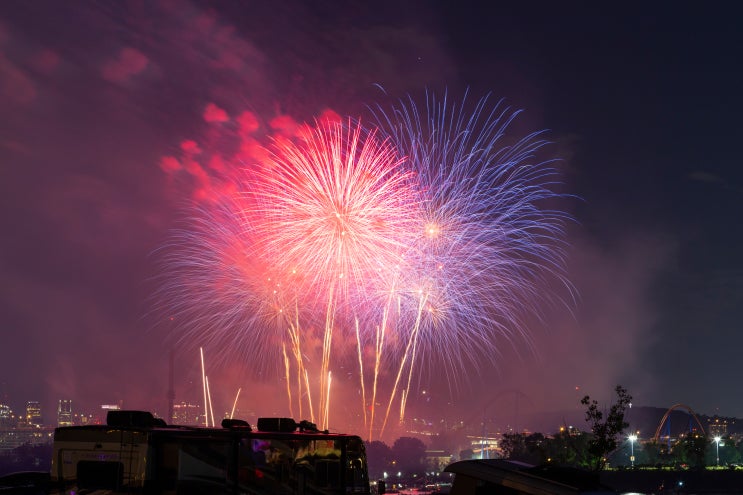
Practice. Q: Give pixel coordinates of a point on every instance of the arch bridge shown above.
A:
(663, 421)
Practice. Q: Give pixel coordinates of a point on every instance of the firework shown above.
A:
(282, 262)
(487, 238)
(427, 237)
(234, 404)
(336, 207)
(218, 291)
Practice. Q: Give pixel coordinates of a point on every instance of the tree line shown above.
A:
(406, 456)
(606, 444)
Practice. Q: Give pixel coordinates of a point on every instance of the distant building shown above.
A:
(100, 418)
(6, 416)
(484, 447)
(83, 419)
(187, 414)
(717, 427)
(33, 413)
(437, 460)
(12, 438)
(64, 413)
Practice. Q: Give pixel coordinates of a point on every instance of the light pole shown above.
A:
(632, 439)
(717, 444)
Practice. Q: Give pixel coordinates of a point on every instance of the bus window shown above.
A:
(163, 470)
(356, 473)
(265, 466)
(290, 465)
(190, 465)
(327, 473)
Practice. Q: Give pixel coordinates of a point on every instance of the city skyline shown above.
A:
(191, 413)
(104, 142)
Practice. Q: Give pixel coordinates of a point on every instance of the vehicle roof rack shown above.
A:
(286, 425)
(305, 425)
(236, 424)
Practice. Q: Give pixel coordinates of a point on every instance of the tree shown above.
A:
(691, 450)
(513, 446)
(569, 448)
(653, 453)
(536, 446)
(408, 454)
(525, 448)
(729, 453)
(378, 456)
(605, 431)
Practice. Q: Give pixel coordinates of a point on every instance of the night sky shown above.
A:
(643, 104)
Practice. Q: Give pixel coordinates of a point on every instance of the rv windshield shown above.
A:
(283, 465)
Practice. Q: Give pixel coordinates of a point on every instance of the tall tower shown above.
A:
(64, 413)
(171, 386)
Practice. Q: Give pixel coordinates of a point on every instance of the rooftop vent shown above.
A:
(277, 424)
(142, 419)
(235, 424)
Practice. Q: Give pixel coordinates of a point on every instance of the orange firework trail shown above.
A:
(287, 369)
(359, 350)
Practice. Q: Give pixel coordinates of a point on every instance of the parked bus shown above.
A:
(138, 453)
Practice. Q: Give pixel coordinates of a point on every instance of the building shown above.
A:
(187, 414)
(717, 427)
(6, 416)
(64, 413)
(99, 417)
(484, 447)
(437, 460)
(33, 413)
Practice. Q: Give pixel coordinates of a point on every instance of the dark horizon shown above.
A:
(644, 419)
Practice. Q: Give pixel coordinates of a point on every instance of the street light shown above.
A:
(632, 439)
(717, 442)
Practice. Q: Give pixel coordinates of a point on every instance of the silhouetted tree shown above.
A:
(513, 446)
(652, 453)
(533, 448)
(537, 446)
(732, 452)
(691, 450)
(729, 454)
(605, 431)
(378, 455)
(409, 454)
(569, 448)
